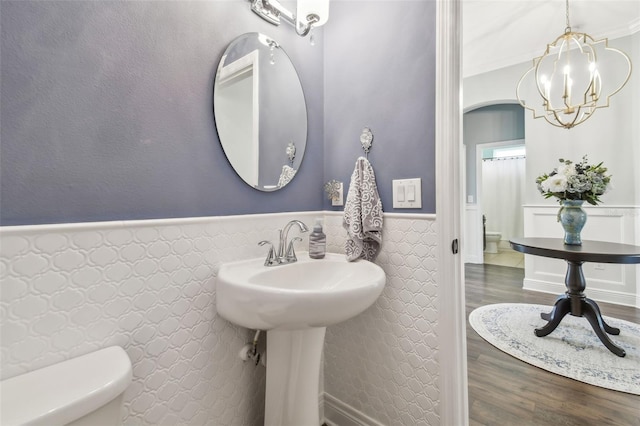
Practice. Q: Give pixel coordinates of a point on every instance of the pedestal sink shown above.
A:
(295, 303)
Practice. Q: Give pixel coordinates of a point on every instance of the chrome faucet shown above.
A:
(271, 257)
(285, 253)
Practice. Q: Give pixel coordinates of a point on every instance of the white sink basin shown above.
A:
(295, 303)
(306, 294)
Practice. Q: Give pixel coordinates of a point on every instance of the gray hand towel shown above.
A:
(363, 214)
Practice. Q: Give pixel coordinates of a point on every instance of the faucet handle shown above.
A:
(291, 253)
(271, 256)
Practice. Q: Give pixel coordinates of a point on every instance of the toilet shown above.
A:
(83, 391)
(493, 238)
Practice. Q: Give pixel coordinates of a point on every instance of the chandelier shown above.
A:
(575, 76)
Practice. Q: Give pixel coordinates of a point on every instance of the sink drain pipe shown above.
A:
(250, 351)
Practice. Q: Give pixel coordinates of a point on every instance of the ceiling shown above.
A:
(499, 33)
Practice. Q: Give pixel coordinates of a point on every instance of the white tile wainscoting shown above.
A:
(383, 364)
(149, 287)
(612, 283)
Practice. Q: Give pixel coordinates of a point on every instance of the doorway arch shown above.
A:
(491, 125)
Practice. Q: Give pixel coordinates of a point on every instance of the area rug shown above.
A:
(572, 350)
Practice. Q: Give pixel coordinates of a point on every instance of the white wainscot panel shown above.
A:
(473, 244)
(605, 282)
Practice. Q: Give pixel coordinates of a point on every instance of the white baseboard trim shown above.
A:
(337, 413)
(474, 259)
(593, 293)
(543, 286)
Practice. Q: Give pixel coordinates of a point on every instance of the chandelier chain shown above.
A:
(568, 27)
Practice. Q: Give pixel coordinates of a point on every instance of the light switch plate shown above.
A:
(407, 193)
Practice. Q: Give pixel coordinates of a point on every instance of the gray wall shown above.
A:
(107, 112)
(380, 73)
(493, 123)
(106, 107)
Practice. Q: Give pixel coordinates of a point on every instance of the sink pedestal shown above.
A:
(295, 303)
(293, 377)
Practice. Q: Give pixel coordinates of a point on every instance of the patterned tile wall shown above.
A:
(384, 362)
(147, 286)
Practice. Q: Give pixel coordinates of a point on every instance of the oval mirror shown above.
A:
(260, 112)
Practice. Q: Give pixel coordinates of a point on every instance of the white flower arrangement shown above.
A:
(575, 181)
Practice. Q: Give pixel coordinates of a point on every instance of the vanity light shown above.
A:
(570, 78)
(309, 13)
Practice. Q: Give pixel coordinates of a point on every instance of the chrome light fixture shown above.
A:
(575, 76)
(309, 13)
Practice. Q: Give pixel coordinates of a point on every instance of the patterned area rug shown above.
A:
(572, 350)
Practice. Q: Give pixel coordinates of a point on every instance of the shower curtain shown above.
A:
(502, 195)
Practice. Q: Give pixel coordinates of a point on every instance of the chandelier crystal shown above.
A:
(575, 76)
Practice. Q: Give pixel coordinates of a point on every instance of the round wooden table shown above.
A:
(574, 301)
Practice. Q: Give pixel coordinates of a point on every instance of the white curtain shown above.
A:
(502, 196)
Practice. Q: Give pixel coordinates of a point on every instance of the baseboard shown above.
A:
(337, 413)
(543, 286)
(474, 259)
(597, 294)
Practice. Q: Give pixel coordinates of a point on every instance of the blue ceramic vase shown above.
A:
(572, 218)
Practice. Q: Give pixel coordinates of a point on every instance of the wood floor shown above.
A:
(506, 391)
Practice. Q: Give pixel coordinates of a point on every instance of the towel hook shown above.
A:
(366, 139)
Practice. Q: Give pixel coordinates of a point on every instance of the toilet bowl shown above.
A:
(83, 391)
(493, 238)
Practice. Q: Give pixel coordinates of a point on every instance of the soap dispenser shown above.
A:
(317, 241)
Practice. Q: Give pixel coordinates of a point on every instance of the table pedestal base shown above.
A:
(574, 300)
(588, 309)
(577, 304)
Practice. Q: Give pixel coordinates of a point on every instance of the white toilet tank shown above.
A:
(81, 391)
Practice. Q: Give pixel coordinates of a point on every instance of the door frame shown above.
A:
(453, 384)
